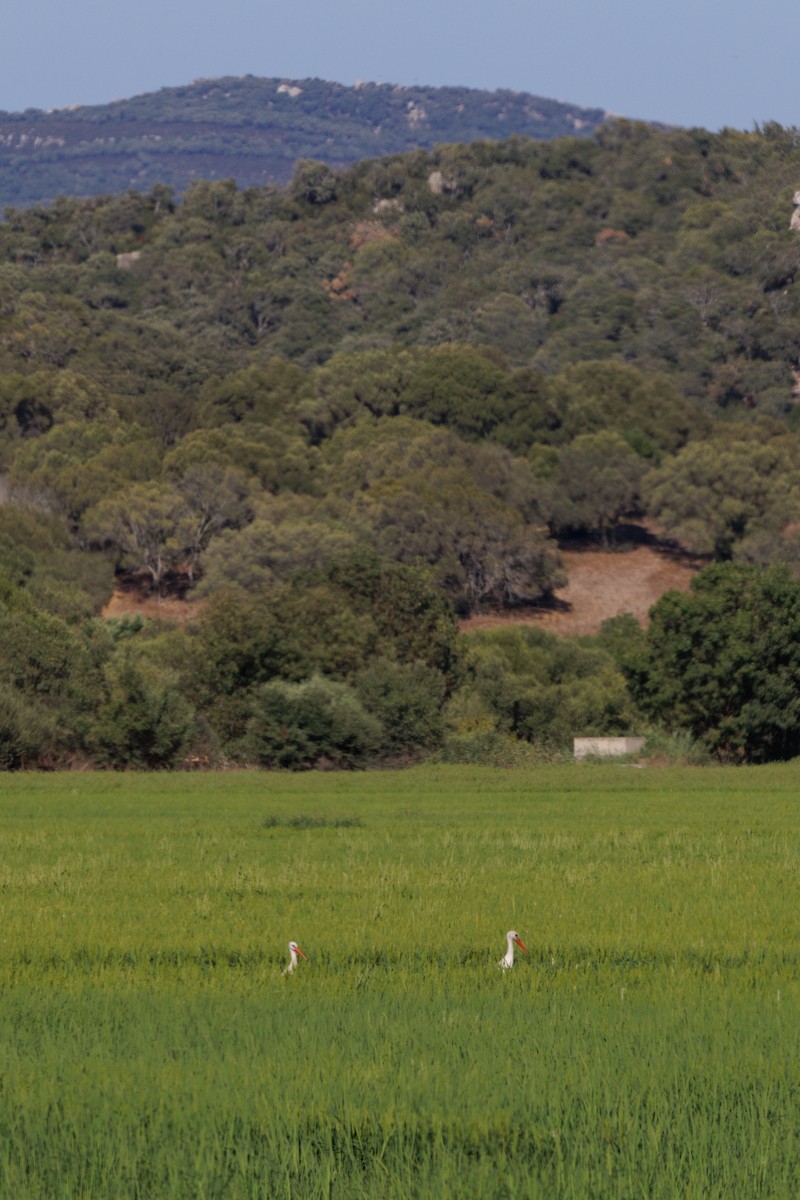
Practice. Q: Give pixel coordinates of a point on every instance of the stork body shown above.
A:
(512, 939)
(294, 950)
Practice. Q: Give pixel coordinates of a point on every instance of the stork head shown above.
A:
(295, 949)
(513, 936)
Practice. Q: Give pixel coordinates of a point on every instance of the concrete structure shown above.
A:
(605, 747)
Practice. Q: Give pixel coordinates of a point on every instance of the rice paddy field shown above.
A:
(646, 1048)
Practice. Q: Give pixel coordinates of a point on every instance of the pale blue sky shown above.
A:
(686, 62)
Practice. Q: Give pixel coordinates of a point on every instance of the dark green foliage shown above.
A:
(305, 724)
(17, 562)
(38, 551)
(649, 412)
(41, 654)
(50, 672)
(461, 388)
(620, 636)
(660, 250)
(289, 534)
(542, 689)
(407, 699)
(723, 662)
(413, 620)
(595, 483)
(27, 731)
(723, 496)
(338, 622)
(425, 497)
(143, 721)
(338, 413)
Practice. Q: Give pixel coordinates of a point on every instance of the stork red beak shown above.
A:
(519, 943)
(300, 952)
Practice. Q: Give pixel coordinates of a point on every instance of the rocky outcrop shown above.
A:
(794, 222)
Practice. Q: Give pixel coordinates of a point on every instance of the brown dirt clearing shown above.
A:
(602, 584)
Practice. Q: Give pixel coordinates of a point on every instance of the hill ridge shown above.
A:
(254, 130)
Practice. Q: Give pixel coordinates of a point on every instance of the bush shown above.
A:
(407, 698)
(721, 663)
(26, 733)
(544, 689)
(145, 722)
(301, 725)
(674, 749)
(492, 748)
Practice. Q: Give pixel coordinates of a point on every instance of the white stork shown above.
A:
(294, 950)
(512, 938)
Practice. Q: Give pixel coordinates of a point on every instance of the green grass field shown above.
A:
(646, 1048)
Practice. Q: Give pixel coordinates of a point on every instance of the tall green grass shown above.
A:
(646, 1047)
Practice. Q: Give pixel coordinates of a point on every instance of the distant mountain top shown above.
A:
(254, 130)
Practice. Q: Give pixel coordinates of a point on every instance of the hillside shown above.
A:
(254, 131)
(347, 415)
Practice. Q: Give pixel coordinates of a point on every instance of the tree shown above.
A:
(50, 673)
(413, 620)
(289, 534)
(143, 721)
(543, 689)
(358, 457)
(647, 411)
(461, 387)
(215, 499)
(713, 496)
(255, 394)
(723, 662)
(407, 698)
(77, 464)
(426, 496)
(275, 460)
(596, 482)
(481, 550)
(297, 725)
(148, 524)
(240, 642)
(27, 730)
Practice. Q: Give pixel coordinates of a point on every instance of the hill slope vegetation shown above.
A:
(343, 413)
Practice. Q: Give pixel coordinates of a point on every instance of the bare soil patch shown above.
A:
(603, 584)
(133, 594)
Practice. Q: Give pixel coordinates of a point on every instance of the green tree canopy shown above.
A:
(716, 496)
(595, 483)
(543, 689)
(723, 662)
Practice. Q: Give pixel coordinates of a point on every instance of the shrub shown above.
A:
(300, 725)
(144, 723)
(407, 698)
(26, 733)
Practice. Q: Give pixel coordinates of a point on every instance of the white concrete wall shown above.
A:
(605, 746)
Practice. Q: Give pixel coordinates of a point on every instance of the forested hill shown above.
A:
(253, 131)
(340, 412)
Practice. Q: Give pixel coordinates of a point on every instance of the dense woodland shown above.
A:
(338, 415)
(254, 130)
